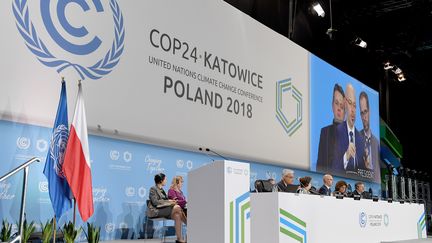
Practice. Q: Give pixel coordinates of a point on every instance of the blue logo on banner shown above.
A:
(35, 44)
(362, 219)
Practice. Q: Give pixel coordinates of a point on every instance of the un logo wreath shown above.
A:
(101, 68)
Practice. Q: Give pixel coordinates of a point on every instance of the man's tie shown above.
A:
(368, 146)
(351, 162)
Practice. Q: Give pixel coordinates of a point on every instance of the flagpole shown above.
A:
(55, 229)
(74, 211)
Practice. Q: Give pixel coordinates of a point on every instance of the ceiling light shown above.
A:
(318, 9)
(401, 77)
(359, 42)
(387, 66)
(396, 70)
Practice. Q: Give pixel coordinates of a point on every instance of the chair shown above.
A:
(263, 186)
(157, 219)
(164, 227)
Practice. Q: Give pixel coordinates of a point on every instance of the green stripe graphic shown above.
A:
(290, 234)
(292, 217)
(243, 209)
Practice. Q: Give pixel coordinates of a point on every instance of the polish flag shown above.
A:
(76, 166)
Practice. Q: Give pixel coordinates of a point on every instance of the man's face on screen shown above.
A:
(338, 106)
(364, 112)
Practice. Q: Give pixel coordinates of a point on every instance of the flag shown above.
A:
(76, 165)
(58, 187)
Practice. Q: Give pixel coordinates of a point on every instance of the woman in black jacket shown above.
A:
(160, 206)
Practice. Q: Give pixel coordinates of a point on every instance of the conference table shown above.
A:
(289, 217)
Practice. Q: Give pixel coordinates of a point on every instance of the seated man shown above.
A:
(360, 191)
(326, 188)
(287, 182)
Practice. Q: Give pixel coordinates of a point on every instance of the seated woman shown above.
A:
(305, 185)
(175, 192)
(340, 189)
(160, 206)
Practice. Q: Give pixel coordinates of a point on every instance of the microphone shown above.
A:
(202, 150)
(209, 150)
(349, 188)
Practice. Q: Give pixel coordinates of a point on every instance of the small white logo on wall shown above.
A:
(109, 227)
(142, 191)
(41, 145)
(100, 194)
(180, 163)
(229, 170)
(270, 174)
(189, 164)
(123, 225)
(127, 156)
(253, 176)
(23, 142)
(153, 165)
(362, 219)
(114, 155)
(4, 189)
(130, 191)
(43, 186)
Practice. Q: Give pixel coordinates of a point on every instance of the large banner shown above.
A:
(186, 74)
(344, 124)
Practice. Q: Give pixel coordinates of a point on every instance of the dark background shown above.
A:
(399, 31)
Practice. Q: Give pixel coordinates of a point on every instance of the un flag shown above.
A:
(59, 190)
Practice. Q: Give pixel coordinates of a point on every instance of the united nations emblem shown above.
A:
(70, 41)
(58, 148)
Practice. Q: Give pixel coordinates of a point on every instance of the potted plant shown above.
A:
(47, 231)
(93, 233)
(28, 229)
(70, 233)
(6, 231)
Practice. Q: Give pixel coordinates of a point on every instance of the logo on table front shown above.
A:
(362, 219)
(23, 142)
(69, 38)
(291, 116)
(386, 220)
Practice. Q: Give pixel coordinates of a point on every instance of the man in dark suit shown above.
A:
(360, 191)
(286, 184)
(327, 143)
(371, 147)
(350, 145)
(326, 188)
